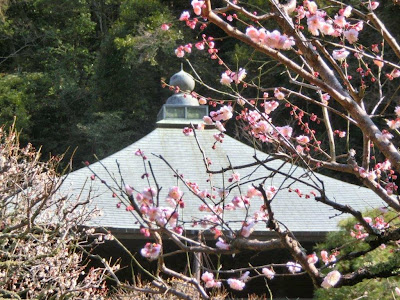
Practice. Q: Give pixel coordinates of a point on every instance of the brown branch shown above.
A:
(187, 279)
(289, 242)
(245, 12)
(386, 34)
(365, 273)
(348, 209)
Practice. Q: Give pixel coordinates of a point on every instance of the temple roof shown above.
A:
(300, 215)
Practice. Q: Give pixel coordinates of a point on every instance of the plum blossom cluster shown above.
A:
(328, 258)
(228, 77)
(260, 124)
(318, 22)
(273, 39)
(209, 280)
(159, 215)
(382, 172)
(238, 202)
(378, 223)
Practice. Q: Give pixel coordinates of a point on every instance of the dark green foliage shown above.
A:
(377, 261)
(85, 74)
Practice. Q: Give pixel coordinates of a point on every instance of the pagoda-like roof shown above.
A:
(300, 215)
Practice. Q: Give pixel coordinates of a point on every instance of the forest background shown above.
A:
(86, 75)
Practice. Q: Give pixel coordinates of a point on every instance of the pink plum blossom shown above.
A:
(325, 97)
(238, 202)
(373, 5)
(253, 192)
(331, 279)
(270, 192)
(180, 52)
(351, 35)
(395, 73)
(207, 276)
(175, 193)
(253, 34)
(397, 111)
(208, 120)
(375, 48)
(151, 251)
(197, 5)
(184, 16)
(188, 48)
(293, 267)
(286, 131)
(247, 229)
(219, 126)
(241, 101)
(239, 76)
(270, 106)
(165, 27)
(269, 273)
(340, 21)
(221, 244)
(236, 284)
(326, 258)
(278, 94)
(315, 23)
(312, 7)
(272, 39)
(202, 101)
(393, 124)
(226, 79)
(340, 54)
(312, 258)
(303, 139)
(145, 231)
(379, 62)
(224, 113)
(385, 136)
(187, 131)
(235, 177)
(128, 190)
(300, 149)
(245, 276)
(397, 291)
(327, 29)
(199, 45)
(346, 12)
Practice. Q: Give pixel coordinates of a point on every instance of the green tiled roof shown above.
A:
(298, 214)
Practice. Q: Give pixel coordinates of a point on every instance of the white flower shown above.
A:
(269, 273)
(331, 279)
(351, 35)
(340, 54)
(236, 284)
(293, 267)
(226, 79)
